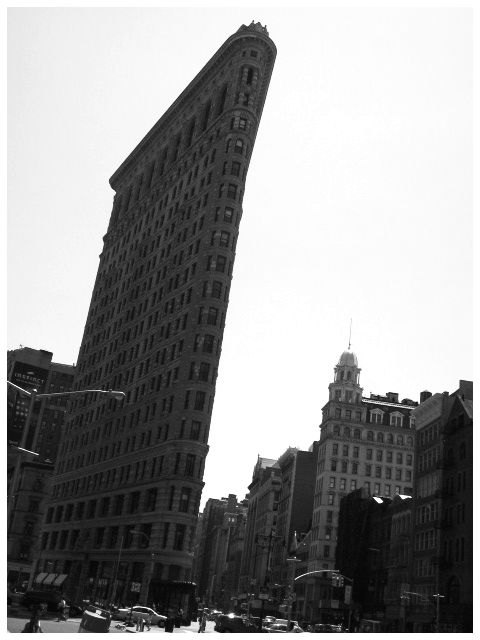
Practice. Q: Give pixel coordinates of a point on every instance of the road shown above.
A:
(17, 620)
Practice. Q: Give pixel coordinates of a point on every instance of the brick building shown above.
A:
(129, 476)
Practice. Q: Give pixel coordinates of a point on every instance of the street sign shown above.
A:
(348, 594)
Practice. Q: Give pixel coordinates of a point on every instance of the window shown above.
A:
(376, 416)
(387, 489)
(332, 483)
(216, 289)
(398, 474)
(368, 469)
(356, 452)
(346, 430)
(369, 454)
(185, 496)
(388, 473)
(190, 464)
(333, 465)
(228, 214)
(330, 498)
(208, 342)
(354, 468)
(330, 516)
(379, 436)
(400, 440)
(338, 394)
(376, 488)
(328, 533)
(338, 413)
(204, 371)
(367, 486)
(344, 466)
(356, 434)
(345, 450)
(409, 459)
(369, 435)
(334, 449)
(353, 485)
(151, 499)
(239, 146)
(326, 551)
(396, 419)
(235, 170)
(220, 264)
(389, 456)
(99, 537)
(336, 430)
(399, 458)
(118, 505)
(179, 537)
(200, 397)
(92, 505)
(343, 482)
(378, 472)
(379, 455)
(134, 502)
(212, 316)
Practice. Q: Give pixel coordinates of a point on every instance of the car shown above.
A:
(231, 623)
(277, 627)
(327, 628)
(140, 612)
(35, 598)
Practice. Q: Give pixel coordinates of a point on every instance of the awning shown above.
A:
(40, 578)
(60, 579)
(50, 578)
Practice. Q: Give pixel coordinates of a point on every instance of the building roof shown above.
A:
(349, 359)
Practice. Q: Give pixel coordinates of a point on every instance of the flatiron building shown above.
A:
(128, 479)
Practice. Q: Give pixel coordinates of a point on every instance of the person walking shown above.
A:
(148, 621)
(61, 610)
(33, 625)
(203, 624)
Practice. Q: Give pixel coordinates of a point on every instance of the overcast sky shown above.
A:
(358, 202)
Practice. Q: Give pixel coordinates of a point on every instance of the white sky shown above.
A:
(358, 202)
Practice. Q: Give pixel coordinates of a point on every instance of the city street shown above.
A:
(16, 623)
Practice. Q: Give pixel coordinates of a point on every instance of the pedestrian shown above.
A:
(33, 625)
(61, 610)
(203, 623)
(148, 621)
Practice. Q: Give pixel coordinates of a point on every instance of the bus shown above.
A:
(170, 596)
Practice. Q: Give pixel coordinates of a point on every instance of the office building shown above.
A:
(31, 369)
(129, 478)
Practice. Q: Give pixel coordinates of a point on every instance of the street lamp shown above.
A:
(117, 395)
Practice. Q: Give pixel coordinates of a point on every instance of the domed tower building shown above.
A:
(364, 443)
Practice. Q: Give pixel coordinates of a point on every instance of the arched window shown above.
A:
(346, 432)
(356, 434)
(399, 439)
(379, 436)
(410, 441)
(341, 375)
(369, 435)
(336, 430)
(390, 438)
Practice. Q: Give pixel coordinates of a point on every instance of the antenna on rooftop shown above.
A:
(350, 335)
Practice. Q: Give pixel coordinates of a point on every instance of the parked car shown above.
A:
(35, 598)
(282, 628)
(140, 612)
(234, 624)
(327, 628)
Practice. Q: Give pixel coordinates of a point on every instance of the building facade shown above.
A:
(129, 476)
(443, 542)
(364, 442)
(32, 369)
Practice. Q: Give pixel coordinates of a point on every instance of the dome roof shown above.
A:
(349, 359)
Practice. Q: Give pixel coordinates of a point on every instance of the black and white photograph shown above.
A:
(239, 318)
